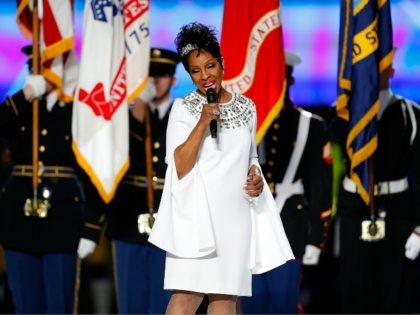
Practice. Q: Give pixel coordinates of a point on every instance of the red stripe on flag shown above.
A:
(50, 28)
(24, 17)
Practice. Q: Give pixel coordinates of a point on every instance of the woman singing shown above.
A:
(217, 219)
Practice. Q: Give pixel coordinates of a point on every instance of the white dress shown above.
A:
(214, 235)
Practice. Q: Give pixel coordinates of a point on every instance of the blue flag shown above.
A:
(365, 50)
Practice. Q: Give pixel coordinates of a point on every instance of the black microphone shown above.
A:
(212, 98)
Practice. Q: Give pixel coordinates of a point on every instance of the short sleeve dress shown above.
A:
(216, 236)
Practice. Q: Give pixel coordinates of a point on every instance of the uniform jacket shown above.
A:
(397, 156)
(131, 197)
(302, 215)
(74, 211)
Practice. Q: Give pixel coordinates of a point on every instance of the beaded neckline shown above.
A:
(237, 112)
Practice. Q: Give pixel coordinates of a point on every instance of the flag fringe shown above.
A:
(85, 165)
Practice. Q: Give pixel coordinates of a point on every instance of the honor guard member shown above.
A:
(139, 266)
(376, 269)
(297, 166)
(41, 240)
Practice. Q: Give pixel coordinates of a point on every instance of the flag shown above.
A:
(114, 68)
(252, 47)
(56, 42)
(365, 50)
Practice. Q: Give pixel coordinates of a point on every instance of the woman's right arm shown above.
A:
(185, 155)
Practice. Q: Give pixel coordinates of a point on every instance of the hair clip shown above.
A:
(187, 49)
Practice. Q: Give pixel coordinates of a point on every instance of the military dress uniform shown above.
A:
(305, 203)
(375, 276)
(41, 251)
(295, 160)
(140, 266)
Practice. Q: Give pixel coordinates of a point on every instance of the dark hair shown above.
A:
(197, 36)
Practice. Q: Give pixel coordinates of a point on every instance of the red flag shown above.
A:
(252, 46)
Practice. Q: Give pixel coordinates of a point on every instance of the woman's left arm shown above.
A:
(254, 182)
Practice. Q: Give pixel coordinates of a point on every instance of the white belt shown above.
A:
(295, 188)
(381, 188)
(286, 190)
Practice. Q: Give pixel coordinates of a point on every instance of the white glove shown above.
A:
(149, 91)
(38, 85)
(311, 256)
(412, 246)
(86, 247)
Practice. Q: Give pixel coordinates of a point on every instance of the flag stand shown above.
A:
(373, 227)
(149, 169)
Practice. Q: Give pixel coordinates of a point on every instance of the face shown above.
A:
(289, 76)
(163, 86)
(205, 71)
(384, 77)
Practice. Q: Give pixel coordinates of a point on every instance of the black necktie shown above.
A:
(155, 115)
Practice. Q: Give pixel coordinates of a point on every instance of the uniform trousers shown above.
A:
(140, 271)
(275, 291)
(375, 277)
(42, 284)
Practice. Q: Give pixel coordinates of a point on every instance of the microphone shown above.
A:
(212, 98)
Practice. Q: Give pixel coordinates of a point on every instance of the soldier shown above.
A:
(41, 241)
(376, 271)
(296, 165)
(138, 265)
(6, 303)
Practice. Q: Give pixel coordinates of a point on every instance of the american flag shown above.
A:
(58, 61)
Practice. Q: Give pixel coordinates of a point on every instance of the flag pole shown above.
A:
(35, 104)
(149, 167)
(371, 179)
